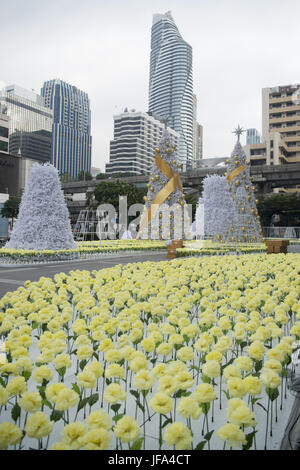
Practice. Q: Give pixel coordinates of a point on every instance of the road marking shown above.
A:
(11, 281)
(10, 270)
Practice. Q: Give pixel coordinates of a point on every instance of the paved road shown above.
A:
(13, 277)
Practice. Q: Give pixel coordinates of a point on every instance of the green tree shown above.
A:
(108, 192)
(84, 176)
(65, 178)
(287, 206)
(10, 208)
(101, 176)
(193, 200)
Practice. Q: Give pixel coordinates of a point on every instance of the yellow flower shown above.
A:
(30, 401)
(99, 419)
(10, 434)
(167, 384)
(38, 425)
(95, 367)
(212, 369)
(164, 349)
(86, 379)
(233, 434)
(274, 365)
(66, 399)
(256, 350)
(214, 356)
(239, 413)
(127, 429)
(143, 380)
(16, 386)
(114, 393)
(161, 403)
(114, 370)
(185, 354)
(270, 378)
(179, 435)
(223, 344)
(53, 390)
(60, 446)
(205, 393)
(184, 380)
(158, 370)
(188, 406)
(62, 360)
(73, 435)
(236, 387)
(96, 439)
(113, 355)
(42, 373)
(138, 362)
(148, 344)
(4, 395)
(243, 363)
(231, 371)
(253, 385)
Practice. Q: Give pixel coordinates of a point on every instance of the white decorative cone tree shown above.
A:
(219, 210)
(43, 222)
(165, 213)
(245, 226)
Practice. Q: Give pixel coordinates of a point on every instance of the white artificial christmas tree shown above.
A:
(245, 226)
(158, 220)
(43, 222)
(219, 212)
(199, 219)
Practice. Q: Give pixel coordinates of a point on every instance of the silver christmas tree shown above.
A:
(246, 224)
(43, 222)
(165, 213)
(219, 210)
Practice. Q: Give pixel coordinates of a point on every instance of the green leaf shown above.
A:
(117, 418)
(207, 436)
(93, 399)
(76, 389)
(135, 394)
(82, 364)
(167, 421)
(47, 403)
(249, 439)
(258, 365)
(2, 382)
(205, 407)
(16, 412)
(62, 371)
(140, 406)
(227, 394)
(56, 415)
(137, 445)
(116, 407)
(201, 445)
(205, 378)
(26, 374)
(272, 393)
(82, 403)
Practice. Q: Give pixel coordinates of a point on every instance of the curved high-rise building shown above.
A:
(171, 81)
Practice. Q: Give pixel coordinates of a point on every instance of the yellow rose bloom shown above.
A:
(188, 407)
(233, 434)
(127, 429)
(161, 403)
(167, 384)
(253, 385)
(99, 419)
(66, 399)
(185, 354)
(53, 390)
(138, 362)
(243, 363)
(38, 425)
(95, 367)
(205, 393)
(4, 395)
(214, 356)
(113, 355)
(30, 401)
(114, 393)
(270, 378)
(184, 380)
(10, 434)
(148, 344)
(212, 369)
(179, 435)
(114, 370)
(231, 371)
(236, 387)
(62, 360)
(86, 379)
(96, 439)
(164, 349)
(159, 370)
(239, 413)
(274, 365)
(42, 373)
(73, 435)
(256, 350)
(16, 386)
(143, 380)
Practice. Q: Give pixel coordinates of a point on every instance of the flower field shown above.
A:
(84, 250)
(188, 354)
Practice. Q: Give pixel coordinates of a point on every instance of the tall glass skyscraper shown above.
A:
(171, 82)
(29, 123)
(71, 133)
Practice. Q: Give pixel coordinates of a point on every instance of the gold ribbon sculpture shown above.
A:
(161, 196)
(235, 173)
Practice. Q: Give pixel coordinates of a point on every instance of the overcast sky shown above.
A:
(103, 48)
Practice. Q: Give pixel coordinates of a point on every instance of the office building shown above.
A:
(171, 83)
(4, 132)
(71, 133)
(253, 137)
(29, 123)
(280, 127)
(136, 135)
